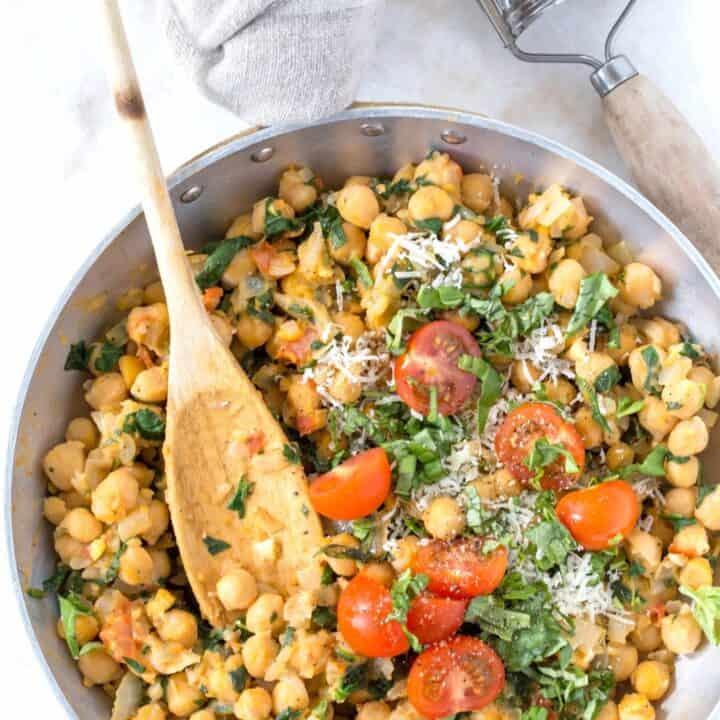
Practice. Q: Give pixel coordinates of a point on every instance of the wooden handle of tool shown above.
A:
(668, 161)
(178, 283)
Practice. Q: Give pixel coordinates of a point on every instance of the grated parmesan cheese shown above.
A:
(541, 348)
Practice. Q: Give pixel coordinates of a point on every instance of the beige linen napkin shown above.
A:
(273, 61)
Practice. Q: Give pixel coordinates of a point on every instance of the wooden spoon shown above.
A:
(219, 431)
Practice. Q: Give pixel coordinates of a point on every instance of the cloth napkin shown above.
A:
(273, 61)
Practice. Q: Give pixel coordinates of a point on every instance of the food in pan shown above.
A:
(500, 432)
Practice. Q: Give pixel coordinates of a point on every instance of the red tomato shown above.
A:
(461, 675)
(362, 619)
(459, 568)
(432, 618)
(516, 438)
(354, 488)
(431, 360)
(600, 514)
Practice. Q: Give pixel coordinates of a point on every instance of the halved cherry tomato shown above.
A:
(432, 618)
(431, 361)
(459, 568)
(516, 438)
(461, 675)
(354, 488)
(362, 619)
(598, 515)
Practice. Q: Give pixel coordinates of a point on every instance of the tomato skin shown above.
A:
(432, 360)
(516, 437)
(354, 488)
(596, 515)
(432, 618)
(459, 569)
(362, 613)
(460, 675)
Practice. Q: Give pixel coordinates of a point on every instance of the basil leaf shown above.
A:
(706, 609)
(690, 350)
(239, 679)
(114, 567)
(89, 647)
(652, 362)
(353, 679)
(545, 453)
(217, 262)
(214, 545)
(433, 225)
(441, 298)
(276, 223)
(291, 453)
(590, 396)
(362, 272)
(607, 379)
(491, 382)
(403, 321)
(134, 665)
(72, 606)
(78, 357)
(679, 522)
(324, 617)
(331, 224)
(243, 491)
(490, 614)
(109, 354)
(343, 552)
(653, 464)
(627, 406)
(595, 290)
(147, 423)
(404, 590)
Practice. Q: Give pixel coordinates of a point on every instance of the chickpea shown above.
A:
(252, 331)
(136, 566)
(444, 518)
(154, 293)
(258, 653)
(465, 234)
(592, 365)
(619, 455)
(182, 699)
(682, 474)
(237, 590)
(681, 633)
(688, 437)
(86, 628)
(697, 573)
(651, 678)
(708, 512)
(382, 572)
(590, 430)
(518, 284)
(63, 462)
(343, 566)
(609, 711)
(151, 385)
(639, 286)
(155, 711)
(253, 704)
(645, 549)
(150, 325)
(635, 706)
(692, 541)
(351, 325)
(242, 225)
(98, 668)
(115, 496)
(431, 202)
(404, 552)
(161, 565)
(530, 252)
(681, 501)
(638, 367)
(159, 521)
(357, 204)
(684, 398)
(107, 392)
(622, 660)
(54, 509)
(480, 267)
(646, 635)
(659, 331)
(290, 692)
(130, 366)
(477, 191)
(204, 714)
(628, 342)
(382, 230)
(265, 614)
(564, 282)
(178, 626)
(656, 418)
(352, 249)
(524, 375)
(83, 430)
(560, 390)
(82, 525)
(296, 188)
(276, 206)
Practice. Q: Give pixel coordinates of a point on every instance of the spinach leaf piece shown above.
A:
(607, 379)
(324, 617)
(78, 356)
(146, 423)
(652, 363)
(627, 406)
(595, 290)
(72, 605)
(591, 398)
(355, 677)
(107, 358)
(217, 262)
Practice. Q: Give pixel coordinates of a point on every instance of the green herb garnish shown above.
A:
(214, 545)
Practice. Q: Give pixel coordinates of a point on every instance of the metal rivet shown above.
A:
(372, 129)
(192, 194)
(453, 137)
(263, 154)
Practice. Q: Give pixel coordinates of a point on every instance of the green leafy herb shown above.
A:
(287, 637)
(364, 530)
(591, 398)
(690, 350)
(545, 453)
(328, 576)
(678, 521)
(653, 464)
(433, 225)
(344, 655)
(490, 614)
(320, 711)
(291, 453)
(404, 590)
(71, 606)
(212, 638)
(704, 489)
(215, 546)
(114, 567)
(553, 542)
(496, 223)
(595, 290)
(652, 362)
(440, 298)
(276, 223)
(362, 272)
(402, 322)
(146, 423)
(627, 406)
(289, 714)
(89, 647)
(353, 679)
(342, 552)
(301, 312)
(78, 356)
(324, 617)
(242, 493)
(378, 687)
(134, 665)
(607, 379)
(706, 609)
(535, 713)
(239, 679)
(331, 224)
(217, 262)
(491, 385)
(415, 526)
(108, 356)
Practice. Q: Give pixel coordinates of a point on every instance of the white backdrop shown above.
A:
(65, 182)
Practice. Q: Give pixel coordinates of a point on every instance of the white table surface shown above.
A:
(65, 181)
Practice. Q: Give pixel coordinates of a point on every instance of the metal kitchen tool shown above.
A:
(667, 159)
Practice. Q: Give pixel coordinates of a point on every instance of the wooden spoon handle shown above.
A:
(174, 269)
(668, 160)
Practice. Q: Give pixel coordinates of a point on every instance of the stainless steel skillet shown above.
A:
(209, 191)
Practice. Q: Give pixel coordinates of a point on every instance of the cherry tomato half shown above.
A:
(431, 361)
(516, 438)
(432, 618)
(354, 488)
(460, 675)
(600, 514)
(362, 619)
(459, 568)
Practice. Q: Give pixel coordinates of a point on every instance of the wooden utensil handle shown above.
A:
(668, 160)
(175, 271)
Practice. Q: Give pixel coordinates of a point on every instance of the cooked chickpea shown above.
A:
(480, 267)
(642, 377)
(681, 633)
(684, 398)
(628, 342)
(115, 496)
(659, 331)
(683, 474)
(204, 714)
(518, 284)
(431, 202)
(590, 430)
(179, 626)
(619, 455)
(276, 206)
(98, 668)
(258, 653)
(155, 711)
(560, 390)
(444, 518)
(151, 385)
(357, 204)
(86, 628)
(161, 565)
(182, 699)
(265, 614)
(656, 418)
(639, 286)
(592, 365)
(681, 501)
(609, 711)
(290, 692)
(54, 509)
(296, 189)
(697, 573)
(136, 566)
(242, 225)
(253, 704)
(530, 252)
(464, 233)
(692, 541)
(477, 191)
(252, 331)
(644, 548)
(82, 525)
(403, 553)
(130, 366)
(524, 375)
(351, 325)
(154, 293)
(564, 282)
(505, 483)
(646, 635)
(107, 392)
(382, 572)
(440, 169)
(651, 678)
(382, 230)
(622, 660)
(83, 430)
(343, 566)
(159, 521)
(688, 437)
(63, 462)
(352, 249)
(237, 590)
(708, 512)
(635, 706)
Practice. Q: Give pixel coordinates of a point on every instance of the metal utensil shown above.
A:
(666, 157)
